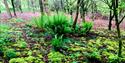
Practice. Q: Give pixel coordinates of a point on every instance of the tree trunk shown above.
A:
(0, 10)
(110, 20)
(83, 16)
(111, 16)
(7, 8)
(77, 13)
(13, 5)
(83, 11)
(33, 5)
(18, 5)
(118, 28)
(41, 6)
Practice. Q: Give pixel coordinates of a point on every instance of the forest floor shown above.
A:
(30, 43)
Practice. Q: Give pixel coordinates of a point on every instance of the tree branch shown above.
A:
(122, 19)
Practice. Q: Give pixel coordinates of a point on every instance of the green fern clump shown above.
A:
(41, 21)
(86, 27)
(59, 24)
(57, 42)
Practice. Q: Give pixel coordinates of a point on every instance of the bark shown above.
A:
(77, 13)
(115, 6)
(83, 10)
(12, 1)
(33, 5)
(110, 20)
(110, 17)
(0, 11)
(18, 5)
(7, 8)
(41, 6)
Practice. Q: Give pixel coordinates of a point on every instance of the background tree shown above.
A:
(93, 9)
(7, 8)
(111, 15)
(18, 5)
(77, 13)
(41, 6)
(118, 22)
(13, 5)
(84, 6)
(70, 6)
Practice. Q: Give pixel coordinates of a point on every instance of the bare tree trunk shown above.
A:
(115, 6)
(0, 10)
(110, 20)
(13, 5)
(41, 6)
(7, 8)
(33, 5)
(18, 5)
(83, 11)
(111, 16)
(77, 13)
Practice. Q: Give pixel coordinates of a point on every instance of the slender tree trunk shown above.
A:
(118, 28)
(62, 5)
(111, 16)
(33, 5)
(13, 5)
(77, 13)
(83, 16)
(20, 7)
(0, 10)
(92, 13)
(110, 20)
(41, 6)
(7, 8)
(83, 11)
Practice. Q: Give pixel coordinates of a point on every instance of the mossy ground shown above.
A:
(31, 45)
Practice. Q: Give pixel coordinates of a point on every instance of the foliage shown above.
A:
(10, 53)
(77, 29)
(59, 24)
(55, 56)
(2, 43)
(29, 59)
(93, 57)
(54, 23)
(57, 42)
(4, 28)
(86, 27)
(17, 60)
(41, 21)
(115, 59)
(22, 44)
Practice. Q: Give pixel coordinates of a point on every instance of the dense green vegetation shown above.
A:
(62, 31)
